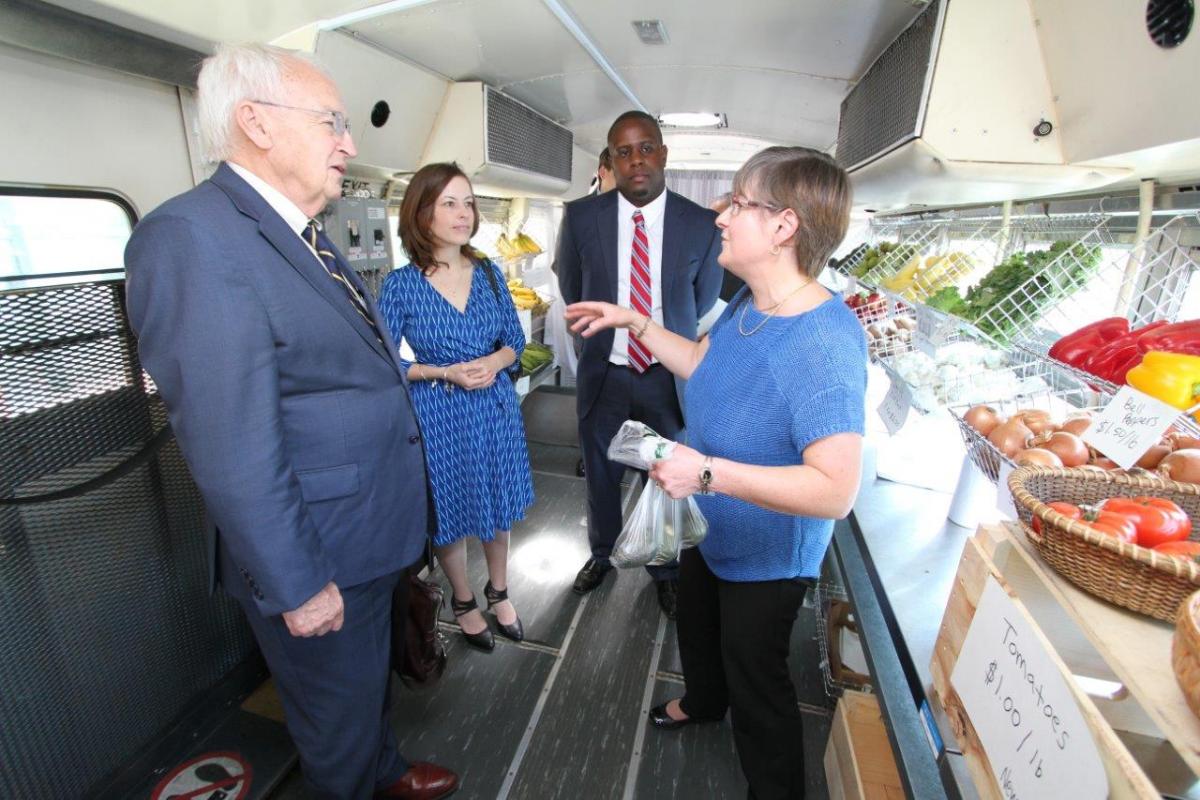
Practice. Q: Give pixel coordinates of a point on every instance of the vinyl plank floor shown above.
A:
(556, 459)
(472, 721)
(584, 742)
(547, 548)
(550, 418)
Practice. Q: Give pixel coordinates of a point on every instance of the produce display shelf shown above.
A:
(1148, 739)
(830, 600)
(1145, 670)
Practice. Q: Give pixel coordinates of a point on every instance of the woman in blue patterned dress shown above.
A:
(454, 310)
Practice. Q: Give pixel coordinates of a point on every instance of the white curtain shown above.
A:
(700, 186)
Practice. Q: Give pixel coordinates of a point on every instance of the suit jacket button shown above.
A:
(413, 439)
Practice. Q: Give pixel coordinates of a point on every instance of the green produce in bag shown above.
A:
(659, 526)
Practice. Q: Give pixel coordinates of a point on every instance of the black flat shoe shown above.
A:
(660, 719)
(484, 639)
(591, 576)
(515, 631)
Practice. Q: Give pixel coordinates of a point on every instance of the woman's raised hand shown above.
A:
(589, 318)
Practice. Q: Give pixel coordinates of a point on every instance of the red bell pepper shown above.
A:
(1113, 360)
(1074, 348)
(1179, 337)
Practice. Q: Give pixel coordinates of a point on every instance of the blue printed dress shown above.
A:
(474, 440)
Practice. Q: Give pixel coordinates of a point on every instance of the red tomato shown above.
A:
(1188, 551)
(1066, 509)
(1118, 526)
(1157, 519)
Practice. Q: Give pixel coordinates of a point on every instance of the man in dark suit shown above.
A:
(290, 407)
(649, 249)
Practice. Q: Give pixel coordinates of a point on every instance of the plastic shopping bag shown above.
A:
(659, 526)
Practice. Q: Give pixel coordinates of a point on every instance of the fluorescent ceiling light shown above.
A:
(691, 119)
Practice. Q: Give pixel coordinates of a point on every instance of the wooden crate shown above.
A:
(1087, 637)
(858, 758)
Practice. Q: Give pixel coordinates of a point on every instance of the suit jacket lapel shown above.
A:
(292, 248)
(673, 225)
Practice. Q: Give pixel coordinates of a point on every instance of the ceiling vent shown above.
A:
(506, 147)
(651, 31)
(946, 115)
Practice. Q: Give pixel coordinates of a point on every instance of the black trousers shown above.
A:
(648, 397)
(334, 690)
(734, 640)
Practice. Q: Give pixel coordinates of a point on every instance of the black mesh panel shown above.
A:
(881, 110)
(520, 137)
(107, 628)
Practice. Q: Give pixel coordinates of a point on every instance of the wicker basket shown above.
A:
(1134, 577)
(1185, 651)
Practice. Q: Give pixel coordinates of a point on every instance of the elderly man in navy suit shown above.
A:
(652, 250)
(291, 410)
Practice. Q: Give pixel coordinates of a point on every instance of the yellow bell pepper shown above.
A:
(1173, 378)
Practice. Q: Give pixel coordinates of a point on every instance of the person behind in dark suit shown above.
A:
(775, 403)
(289, 405)
(647, 248)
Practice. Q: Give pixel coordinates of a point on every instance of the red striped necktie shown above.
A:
(640, 296)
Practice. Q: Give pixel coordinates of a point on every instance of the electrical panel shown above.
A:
(358, 227)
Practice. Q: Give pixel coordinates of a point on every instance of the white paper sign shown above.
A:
(894, 408)
(1020, 705)
(1129, 425)
(933, 330)
(851, 285)
(1004, 498)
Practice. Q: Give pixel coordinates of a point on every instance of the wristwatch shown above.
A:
(706, 475)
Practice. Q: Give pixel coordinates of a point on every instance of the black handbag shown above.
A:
(418, 649)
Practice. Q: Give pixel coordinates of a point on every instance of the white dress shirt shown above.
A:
(652, 214)
(291, 213)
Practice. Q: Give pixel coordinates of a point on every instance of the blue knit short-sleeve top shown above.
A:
(762, 397)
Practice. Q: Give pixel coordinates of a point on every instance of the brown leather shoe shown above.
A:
(423, 781)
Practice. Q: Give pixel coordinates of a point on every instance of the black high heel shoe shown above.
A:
(484, 639)
(515, 631)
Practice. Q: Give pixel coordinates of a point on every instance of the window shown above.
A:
(50, 238)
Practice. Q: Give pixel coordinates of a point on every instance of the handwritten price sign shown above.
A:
(1130, 425)
(895, 406)
(1019, 703)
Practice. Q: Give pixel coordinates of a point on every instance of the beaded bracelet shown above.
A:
(645, 325)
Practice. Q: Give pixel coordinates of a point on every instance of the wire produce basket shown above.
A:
(1082, 269)
(833, 613)
(914, 243)
(1146, 283)
(1038, 384)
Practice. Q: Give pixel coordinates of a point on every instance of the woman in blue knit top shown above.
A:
(774, 413)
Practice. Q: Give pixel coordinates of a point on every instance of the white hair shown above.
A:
(237, 72)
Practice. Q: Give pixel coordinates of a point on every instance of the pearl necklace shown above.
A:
(770, 312)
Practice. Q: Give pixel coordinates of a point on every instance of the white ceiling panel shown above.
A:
(496, 41)
(830, 38)
(777, 68)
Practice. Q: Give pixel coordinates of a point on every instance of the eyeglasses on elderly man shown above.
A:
(337, 120)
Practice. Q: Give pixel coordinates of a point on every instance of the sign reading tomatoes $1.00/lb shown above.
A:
(1022, 709)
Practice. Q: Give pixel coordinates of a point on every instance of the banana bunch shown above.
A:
(524, 297)
(519, 245)
(921, 277)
